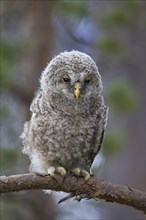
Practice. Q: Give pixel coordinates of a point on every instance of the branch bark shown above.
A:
(94, 188)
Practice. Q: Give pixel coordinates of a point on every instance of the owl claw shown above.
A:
(61, 171)
(85, 174)
(76, 171)
(81, 173)
(51, 171)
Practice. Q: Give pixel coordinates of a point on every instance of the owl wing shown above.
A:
(98, 135)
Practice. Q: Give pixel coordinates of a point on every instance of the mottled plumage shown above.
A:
(65, 130)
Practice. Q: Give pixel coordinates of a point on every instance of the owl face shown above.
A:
(76, 85)
(73, 75)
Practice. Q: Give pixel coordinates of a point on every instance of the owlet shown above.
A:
(69, 117)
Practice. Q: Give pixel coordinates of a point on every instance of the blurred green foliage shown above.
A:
(121, 16)
(130, 5)
(117, 17)
(4, 110)
(9, 53)
(121, 96)
(8, 158)
(112, 143)
(109, 44)
(73, 8)
(10, 206)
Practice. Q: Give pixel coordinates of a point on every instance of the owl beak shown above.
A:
(77, 88)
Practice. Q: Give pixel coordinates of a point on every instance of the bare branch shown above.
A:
(94, 188)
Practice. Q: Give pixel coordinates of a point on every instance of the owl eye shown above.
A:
(87, 81)
(66, 79)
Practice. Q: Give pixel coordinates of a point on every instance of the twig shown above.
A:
(65, 198)
(96, 189)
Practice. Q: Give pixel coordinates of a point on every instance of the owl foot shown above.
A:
(81, 173)
(59, 170)
(51, 171)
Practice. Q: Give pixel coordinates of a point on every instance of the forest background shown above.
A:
(113, 34)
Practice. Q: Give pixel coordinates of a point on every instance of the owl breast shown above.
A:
(66, 141)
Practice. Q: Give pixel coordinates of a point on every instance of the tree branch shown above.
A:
(94, 188)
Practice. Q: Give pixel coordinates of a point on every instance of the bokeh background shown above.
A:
(113, 34)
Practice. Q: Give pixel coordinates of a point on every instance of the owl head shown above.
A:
(72, 74)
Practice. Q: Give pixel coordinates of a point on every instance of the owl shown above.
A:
(69, 118)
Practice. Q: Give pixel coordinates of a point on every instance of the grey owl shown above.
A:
(69, 117)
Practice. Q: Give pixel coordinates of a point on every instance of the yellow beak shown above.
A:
(77, 88)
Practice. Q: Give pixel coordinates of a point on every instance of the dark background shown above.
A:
(113, 34)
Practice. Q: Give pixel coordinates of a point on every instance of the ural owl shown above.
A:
(69, 117)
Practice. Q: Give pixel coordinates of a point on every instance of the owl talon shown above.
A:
(85, 174)
(51, 171)
(61, 171)
(76, 172)
(54, 170)
(81, 173)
